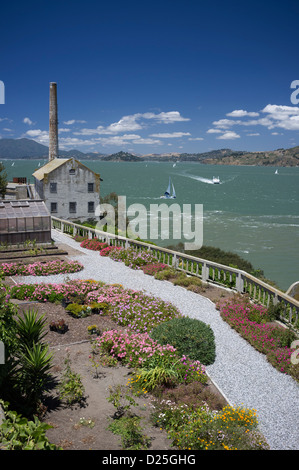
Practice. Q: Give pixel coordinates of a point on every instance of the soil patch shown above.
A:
(67, 431)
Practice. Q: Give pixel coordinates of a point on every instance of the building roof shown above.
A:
(54, 164)
(23, 208)
(49, 167)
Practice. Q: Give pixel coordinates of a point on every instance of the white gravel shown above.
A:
(241, 373)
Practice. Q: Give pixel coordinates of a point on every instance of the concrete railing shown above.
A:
(208, 271)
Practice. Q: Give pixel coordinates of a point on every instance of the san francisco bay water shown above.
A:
(252, 212)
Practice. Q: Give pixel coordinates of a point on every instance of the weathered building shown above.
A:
(70, 189)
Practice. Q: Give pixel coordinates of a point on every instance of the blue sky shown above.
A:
(152, 77)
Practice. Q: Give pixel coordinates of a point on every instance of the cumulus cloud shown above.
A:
(134, 122)
(229, 135)
(166, 118)
(73, 121)
(286, 117)
(214, 131)
(196, 138)
(165, 135)
(242, 113)
(40, 136)
(28, 121)
(275, 116)
(113, 140)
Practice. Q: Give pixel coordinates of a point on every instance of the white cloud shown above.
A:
(253, 134)
(286, 117)
(73, 121)
(196, 138)
(214, 131)
(225, 123)
(125, 124)
(133, 122)
(64, 130)
(166, 118)
(242, 113)
(276, 116)
(174, 135)
(40, 136)
(28, 121)
(229, 135)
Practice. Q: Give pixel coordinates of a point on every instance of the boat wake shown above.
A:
(199, 178)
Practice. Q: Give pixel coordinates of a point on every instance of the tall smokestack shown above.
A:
(53, 123)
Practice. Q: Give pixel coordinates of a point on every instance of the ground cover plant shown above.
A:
(201, 428)
(130, 308)
(132, 257)
(155, 368)
(40, 268)
(160, 369)
(255, 324)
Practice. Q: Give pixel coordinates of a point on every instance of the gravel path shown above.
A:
(242, 374)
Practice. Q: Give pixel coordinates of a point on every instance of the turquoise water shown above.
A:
(253, 212)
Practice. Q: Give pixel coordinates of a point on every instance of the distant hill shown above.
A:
(26, 148)
(22, 148)
(122, 156)
(279, 157)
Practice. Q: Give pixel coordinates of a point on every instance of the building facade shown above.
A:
(70, 190)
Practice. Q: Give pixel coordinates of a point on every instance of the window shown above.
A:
(91, 206)
(53, 207)
(72, 171)
(90, 187)
(53, 187)
(72, 207)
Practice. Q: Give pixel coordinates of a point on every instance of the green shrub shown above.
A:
(186, 281)
(78, 310)
(71, 388)
(165, 274)
(19, 433)
(191, 337)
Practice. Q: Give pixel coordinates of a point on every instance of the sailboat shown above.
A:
(167, 194)
(276, 172)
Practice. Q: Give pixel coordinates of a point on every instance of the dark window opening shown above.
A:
(72, 207)
(53, 207)
(91, 207)
(90, 187)
(53, 187)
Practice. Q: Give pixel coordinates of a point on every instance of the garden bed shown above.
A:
(67, 430)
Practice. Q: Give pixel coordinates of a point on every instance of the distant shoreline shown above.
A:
(162, 160)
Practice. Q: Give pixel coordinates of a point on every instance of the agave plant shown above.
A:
(30, 329)
(34, 372)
